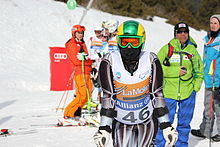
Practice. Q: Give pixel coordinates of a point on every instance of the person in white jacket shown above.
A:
(103, 42)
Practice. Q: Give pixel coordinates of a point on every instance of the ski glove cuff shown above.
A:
(170, 135)
(101, 138)
(82, 56)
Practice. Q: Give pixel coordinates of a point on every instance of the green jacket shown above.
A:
(180, 87)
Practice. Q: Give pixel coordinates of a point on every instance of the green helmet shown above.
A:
(133, 34)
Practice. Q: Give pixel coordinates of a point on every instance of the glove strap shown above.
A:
(106, 128)
(108, 112)
(164, 125)
(158, 112)
(85, 57)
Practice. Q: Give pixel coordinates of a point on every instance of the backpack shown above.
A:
(169, 55)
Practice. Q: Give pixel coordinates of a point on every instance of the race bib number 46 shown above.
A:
(134, 112)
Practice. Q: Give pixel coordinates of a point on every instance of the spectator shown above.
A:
(110, 31)
(183, 76)
(77, 51)
(101, 44)
(211, 59)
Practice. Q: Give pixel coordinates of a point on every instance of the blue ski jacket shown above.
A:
(211, 55)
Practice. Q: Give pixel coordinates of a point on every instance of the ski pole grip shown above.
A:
(81, 49)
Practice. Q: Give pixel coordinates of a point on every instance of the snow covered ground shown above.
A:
(27, 29)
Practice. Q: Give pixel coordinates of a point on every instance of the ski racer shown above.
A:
(131, 80)
(183, 76)
(103, 42)
(110, 31)
(96, 45)
(77, 51)
(96, 52)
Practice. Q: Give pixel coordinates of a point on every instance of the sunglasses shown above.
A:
(182, 31)
(104, 36)
(133, 41)
(98, 32)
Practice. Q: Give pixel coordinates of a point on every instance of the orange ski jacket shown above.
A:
(72, 49)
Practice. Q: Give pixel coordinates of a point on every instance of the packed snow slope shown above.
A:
(27, 29)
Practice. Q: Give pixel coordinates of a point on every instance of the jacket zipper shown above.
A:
(179, 96)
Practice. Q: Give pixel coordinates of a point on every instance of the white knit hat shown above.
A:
(216, 16)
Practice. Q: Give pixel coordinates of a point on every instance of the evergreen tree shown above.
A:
(194, 12)
(206, 9)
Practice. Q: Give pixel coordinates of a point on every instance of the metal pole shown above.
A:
(85, 11)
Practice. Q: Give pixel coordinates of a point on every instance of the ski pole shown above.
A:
(83, 74)
(87, 90)
(211, 100)
(210, 114)
(68, 85)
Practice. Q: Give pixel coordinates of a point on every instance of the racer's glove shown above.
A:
(170, 135)
(81, 56)
(101, 138)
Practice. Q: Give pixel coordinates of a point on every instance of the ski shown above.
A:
(93, 120)
(60, 124)
(92, 111)
(21, 131)
(85, 121)
(70, 125)
(5, 132)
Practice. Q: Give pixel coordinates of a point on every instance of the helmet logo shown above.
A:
(74, 29)
(182, 25)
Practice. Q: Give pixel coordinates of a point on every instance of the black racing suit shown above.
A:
(138, 135)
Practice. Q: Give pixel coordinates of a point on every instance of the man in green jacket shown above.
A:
(183, 76)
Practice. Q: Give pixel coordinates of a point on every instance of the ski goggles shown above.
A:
(133, 41)
(98, 31)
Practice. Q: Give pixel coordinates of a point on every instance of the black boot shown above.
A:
(78, 112)
(216, 138)
(197, 133)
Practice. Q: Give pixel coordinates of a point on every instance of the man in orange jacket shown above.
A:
(77, 51)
